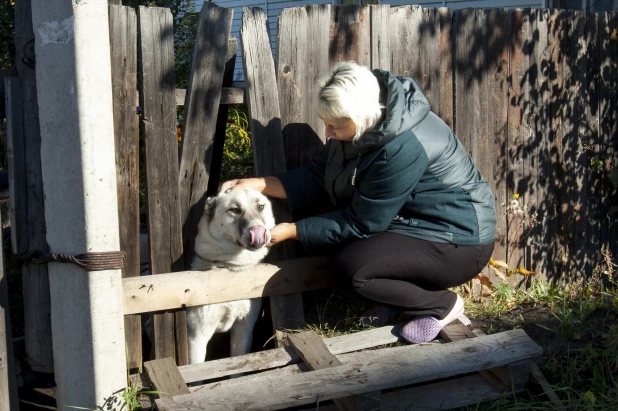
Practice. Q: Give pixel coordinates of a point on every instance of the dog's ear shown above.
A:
(209, 208)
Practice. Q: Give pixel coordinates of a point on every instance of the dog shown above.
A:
(233, 233)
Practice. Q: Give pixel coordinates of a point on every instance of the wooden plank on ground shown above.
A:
(35, 278)
(16, 164)
(123, 45)
(8, 384)
(201, 113)
(404, 30)
(165, 378)
(539, 378)
(267, 141)
(190, 288)
(350, 35)
(161, 157)
(380, 37)
(315, 356)
(398, 366)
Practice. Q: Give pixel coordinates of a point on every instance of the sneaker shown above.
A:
(425, 329)
(377, 316)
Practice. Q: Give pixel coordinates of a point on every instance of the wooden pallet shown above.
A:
(457, 370)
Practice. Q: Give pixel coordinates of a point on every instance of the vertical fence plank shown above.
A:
(405, 39)
(556, 253)
(161, 155)
(608, 129)
(123, 44)
(429, 79)
(380, 38)
(266, 137)
(8, 385)
(301, 128)
(538, 78)
(349, 35)
(494, 164)
(516, 146)
(201, 112)
(35, 278)
(16, 163)
(445, 110)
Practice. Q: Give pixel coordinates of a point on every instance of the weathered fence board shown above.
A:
(35, 278)
(267, 140)
(428, 50)
(445, 111)
(350, 35)
(8, 385)
(16, 163)
(201, 113)
(380, 37)
(123, 45)
(404, 32)
(161, 155)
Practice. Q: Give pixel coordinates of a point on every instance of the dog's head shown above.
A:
(241, 216)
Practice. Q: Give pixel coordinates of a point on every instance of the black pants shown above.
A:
(406, 273)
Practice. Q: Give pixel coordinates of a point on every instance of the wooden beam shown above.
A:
(539, 378)
(165, 378)
(398, 366)
(315, 356)
(229, 95)
(191, 288)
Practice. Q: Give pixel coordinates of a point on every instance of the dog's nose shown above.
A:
(258, 235)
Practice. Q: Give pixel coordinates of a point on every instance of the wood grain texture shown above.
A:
(201, 112)
(190, 288)
(35, 278)
(446, 109)
(429, 73)
(123, 45)
(396, 367)
(380, 37)
(165, 378)
(404, 31)
(350, 33)
(16, 164)
(161, 159)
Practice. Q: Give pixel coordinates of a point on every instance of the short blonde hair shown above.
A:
(349, 90)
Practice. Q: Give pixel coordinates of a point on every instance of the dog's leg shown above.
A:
(199, 332)
(241, 334)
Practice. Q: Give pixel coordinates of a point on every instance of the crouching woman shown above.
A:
(409, 214)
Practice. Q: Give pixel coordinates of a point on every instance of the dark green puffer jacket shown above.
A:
(409, 175)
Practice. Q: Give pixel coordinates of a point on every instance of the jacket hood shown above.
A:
(405, 106)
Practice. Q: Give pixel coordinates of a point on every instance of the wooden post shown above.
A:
(123, 43)
(8, 386)
(35, 279)
(158, 101)
(78, 166)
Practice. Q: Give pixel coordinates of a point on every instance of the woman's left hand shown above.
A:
(282, 232)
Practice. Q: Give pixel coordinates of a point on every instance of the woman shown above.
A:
(411, 214)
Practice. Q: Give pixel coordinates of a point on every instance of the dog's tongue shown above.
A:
(258, 235)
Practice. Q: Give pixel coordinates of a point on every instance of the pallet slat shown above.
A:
(396, 367)
(165, 378)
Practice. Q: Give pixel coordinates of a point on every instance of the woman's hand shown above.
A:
(257, 184)
(282, 232)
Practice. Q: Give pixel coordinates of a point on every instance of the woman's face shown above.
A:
(342, 129)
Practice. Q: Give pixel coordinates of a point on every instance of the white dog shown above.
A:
(232, 234)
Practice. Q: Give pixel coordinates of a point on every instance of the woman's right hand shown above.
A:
(257, 184)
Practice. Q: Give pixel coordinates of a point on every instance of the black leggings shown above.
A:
(406, 273)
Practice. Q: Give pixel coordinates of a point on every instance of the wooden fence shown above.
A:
(530, 93)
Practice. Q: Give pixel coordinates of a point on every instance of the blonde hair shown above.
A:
(351, 91)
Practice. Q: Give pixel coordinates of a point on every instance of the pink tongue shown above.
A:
(258, 235)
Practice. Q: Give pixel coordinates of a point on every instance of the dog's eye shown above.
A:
(235, 210)
(260, 207)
